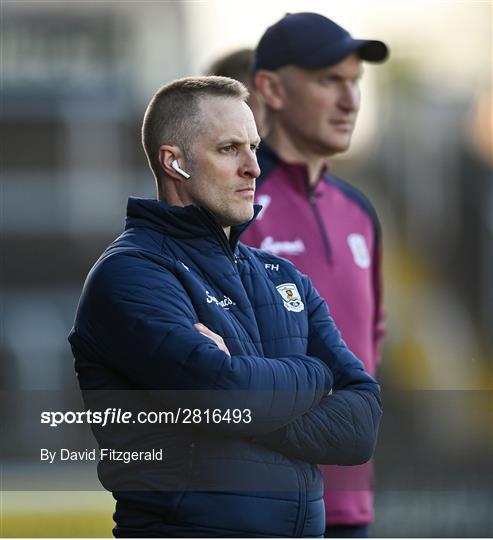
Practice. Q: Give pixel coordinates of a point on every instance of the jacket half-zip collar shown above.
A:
(230, 246)
(184, 222)
(323, 231)
(297, 174)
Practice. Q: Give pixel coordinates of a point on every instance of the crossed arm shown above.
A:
(343, 427)
(161, 349)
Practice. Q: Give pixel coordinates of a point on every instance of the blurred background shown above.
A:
(76, 77)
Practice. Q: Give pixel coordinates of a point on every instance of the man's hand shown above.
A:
(216, 338)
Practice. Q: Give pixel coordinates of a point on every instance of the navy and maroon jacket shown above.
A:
(171, 268)
(331, 233)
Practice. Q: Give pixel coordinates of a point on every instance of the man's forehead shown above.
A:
(225, 116)
(211, 104)
(351, 62)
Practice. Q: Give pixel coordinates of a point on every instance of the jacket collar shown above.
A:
(180, 221)
(297, 170)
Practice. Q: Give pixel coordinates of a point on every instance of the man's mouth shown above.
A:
(344, 124)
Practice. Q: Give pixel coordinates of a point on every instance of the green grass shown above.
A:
(57, 525)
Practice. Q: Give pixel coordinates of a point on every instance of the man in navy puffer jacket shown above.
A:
(177, 314)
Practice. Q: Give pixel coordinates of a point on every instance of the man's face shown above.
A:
(224, 165)
(319, 107)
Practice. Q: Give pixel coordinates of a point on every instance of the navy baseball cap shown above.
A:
(311, 40)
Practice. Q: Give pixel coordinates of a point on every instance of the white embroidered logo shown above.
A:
(291, 297)
(225, 303)
(294, 247)
(359, 249)
(265, 201)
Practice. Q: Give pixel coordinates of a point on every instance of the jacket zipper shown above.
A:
(217, 230)
(300, 525)
(219, 233)
(323, 231)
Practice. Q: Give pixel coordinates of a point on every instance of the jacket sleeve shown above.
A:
(343, 428)
(138, 319)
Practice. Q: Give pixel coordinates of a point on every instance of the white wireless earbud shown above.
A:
(177, 168)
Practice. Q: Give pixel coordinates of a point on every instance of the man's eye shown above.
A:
(254, 148)
(227, 149)
(328, 80)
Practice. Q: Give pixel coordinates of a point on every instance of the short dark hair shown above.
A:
(173, 115)
(237, 65)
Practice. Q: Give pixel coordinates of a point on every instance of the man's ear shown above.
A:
(269, 86)
(167, 155)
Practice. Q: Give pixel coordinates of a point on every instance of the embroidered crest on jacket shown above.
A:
(291, 297)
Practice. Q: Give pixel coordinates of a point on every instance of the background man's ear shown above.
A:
(269, 86)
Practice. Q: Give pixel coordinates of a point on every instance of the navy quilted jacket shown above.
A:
(171, 268)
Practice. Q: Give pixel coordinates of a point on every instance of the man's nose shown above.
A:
(250, 166)
(349, 98)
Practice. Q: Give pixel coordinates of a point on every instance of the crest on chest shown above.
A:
(291, 297)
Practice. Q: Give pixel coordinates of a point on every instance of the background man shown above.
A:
(177, 304)
(307, 71)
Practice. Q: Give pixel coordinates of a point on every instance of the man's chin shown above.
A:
(336, 145)
(243, 220)
(249, 215)
(236, 220)
(335, 148)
